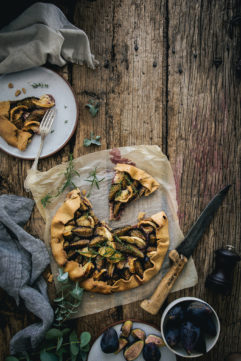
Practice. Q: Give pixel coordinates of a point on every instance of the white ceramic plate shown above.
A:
(97, 354)
(66, 108)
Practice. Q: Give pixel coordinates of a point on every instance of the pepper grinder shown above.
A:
(220, 280)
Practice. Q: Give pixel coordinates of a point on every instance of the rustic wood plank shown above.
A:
(128, 40)
(203, 140)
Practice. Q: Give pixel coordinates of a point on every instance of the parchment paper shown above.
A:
(147, 157)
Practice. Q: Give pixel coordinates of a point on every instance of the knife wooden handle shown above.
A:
(163, 289)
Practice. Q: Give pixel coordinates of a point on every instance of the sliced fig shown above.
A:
(155, 339)
(138, 268)
(83, 231)
(126, 328)
(121, 231)
(138, 334)
(123, 342)
(113, 190)
(109, 342)
(104, 232)
(139, 242)
(137, 233)
(134, 350)
(151, 352)
(129, 249)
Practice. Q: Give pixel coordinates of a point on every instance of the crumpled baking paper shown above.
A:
(147, 157)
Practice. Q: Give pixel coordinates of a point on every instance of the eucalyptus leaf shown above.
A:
(48, 356)
(59, 344)
(65, 331)
(85, 349)
(11, 358)
(87, 142)
(83, 356)
(63, 278)
(77, 293)
(74, 347)
(85, 338)
(53, 333)
(59, 299)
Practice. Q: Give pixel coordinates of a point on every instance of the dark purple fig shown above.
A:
(189, 336)
(201, 344)
(109, 342)
(176, 314)
(197, 312)
(155, 339)
(151, 352)
(134, 350)
(208, 326)
(172, 336)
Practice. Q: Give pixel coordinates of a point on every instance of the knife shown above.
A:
(180, 255)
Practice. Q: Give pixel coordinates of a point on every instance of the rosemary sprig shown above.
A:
(92, 178)
(39, 85)
(69, 174)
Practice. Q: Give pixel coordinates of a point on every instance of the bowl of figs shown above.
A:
(190, 327)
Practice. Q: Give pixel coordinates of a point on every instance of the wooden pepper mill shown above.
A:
(220, 280)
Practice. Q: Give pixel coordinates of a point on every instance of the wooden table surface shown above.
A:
(169, 74)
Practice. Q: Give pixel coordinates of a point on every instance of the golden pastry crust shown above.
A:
(141, 176)
(129, 183)
(19, 120)
(136, 253)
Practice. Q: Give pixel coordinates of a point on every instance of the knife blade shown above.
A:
(180, 255)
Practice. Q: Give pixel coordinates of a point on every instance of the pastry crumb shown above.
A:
(10, 85)
(24, 90)
(50, 277)
(141, 215)
(17, 93)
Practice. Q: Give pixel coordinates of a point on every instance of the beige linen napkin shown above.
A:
(42, 34)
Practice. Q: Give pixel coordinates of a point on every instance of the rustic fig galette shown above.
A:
(129, 183)
(20, 119)
(105, 260)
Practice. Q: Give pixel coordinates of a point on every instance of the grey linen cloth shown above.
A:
(23, 258)
(42, 34)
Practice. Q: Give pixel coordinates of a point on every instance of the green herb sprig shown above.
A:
(58, 343)
(93, 107)
(68, 300)
(69, 174)
(93, 179)
(39, 85)
(95, 140)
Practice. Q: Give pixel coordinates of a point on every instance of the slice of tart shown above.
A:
(20, 120)
(104, 260)
(129, 183)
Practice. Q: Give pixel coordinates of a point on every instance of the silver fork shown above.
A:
(44, 129)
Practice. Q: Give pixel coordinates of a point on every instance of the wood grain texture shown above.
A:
(167, 75)
(204, 140)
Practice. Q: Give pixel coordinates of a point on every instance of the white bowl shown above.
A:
(210, 340)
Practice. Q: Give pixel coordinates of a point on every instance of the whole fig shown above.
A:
(151, 352)
(109, 342)
(172, 336)
(176, 314)
(198, 311)
(189, 336)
